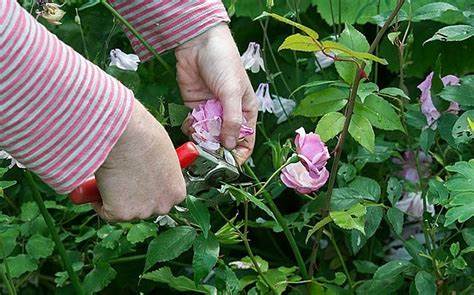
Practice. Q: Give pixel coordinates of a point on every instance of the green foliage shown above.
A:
(461, 188)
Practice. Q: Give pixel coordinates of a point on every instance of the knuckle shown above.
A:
(233, 122)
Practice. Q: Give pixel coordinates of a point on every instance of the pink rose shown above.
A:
(207, 124)
(311, 150)
(296, 176)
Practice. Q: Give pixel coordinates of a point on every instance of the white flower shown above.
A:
(322, 61)
(251, 58)
(412, 204)
(265, 103)
(13, 162)
(165, 220)
(241, 265)
(121, 60)
(282, 108)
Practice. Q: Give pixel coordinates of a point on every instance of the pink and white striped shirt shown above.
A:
(60, 115)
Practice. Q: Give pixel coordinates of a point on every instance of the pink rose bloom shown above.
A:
(296, 176)
(427, 106)
(265, 103)
(311, 150)
(408, 163)
(207, 124)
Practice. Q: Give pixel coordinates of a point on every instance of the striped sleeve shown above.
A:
(166, 24)
(60, 115)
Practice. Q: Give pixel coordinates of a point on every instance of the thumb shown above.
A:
(231, 100)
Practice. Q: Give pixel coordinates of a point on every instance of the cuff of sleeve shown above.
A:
(170, 25)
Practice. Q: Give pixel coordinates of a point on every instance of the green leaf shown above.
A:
(454, 249)
(391, 269)
(322, 102)
(8, 241)
(452, 33)
(169, 245)
(379, 112)
(141, 231)
(437, 193)
(459, 263)
(39, 246)
(427, 139)
(99, 278)
(372, 222)
(340, 48)
(356, 41)
(178, 113)
(394, 92)
(394, 190)
(130, 79)
(395, 218)
(432, 10)
(462, 94)
(461, 187)
(308, 31)
(20, 264)
(206, 251)
(354, 218)
(300, 42)
(330, 125)
(199, 213)
(276, 278)
(367, 187)
(445, 126)
(425, 283)
(88, 4)
(462, 132)
(468, 236)
(226, 280)
(6, 184)
(343, 198)
(29, 211)
(181, 283)
(365, 89)
(317, 226)
(361, 130)
(393, 36)
(241, 194)
(364, 266)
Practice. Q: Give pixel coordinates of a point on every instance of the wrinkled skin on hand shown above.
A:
(141, 176)
(209, 66)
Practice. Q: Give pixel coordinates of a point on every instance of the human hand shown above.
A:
(141, 176)
(209, 66)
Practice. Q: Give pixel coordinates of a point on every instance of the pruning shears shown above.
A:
(202, 170)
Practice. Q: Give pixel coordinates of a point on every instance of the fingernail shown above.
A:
(229, 142)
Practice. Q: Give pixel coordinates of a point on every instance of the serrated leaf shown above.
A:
(99, 278)
(354, 218)
(141, 231)
(425, 283)
(181, 283)
(330, 125)
(300, 42)
(39, 246)
(379, 112)
(395, 218)
(206, 251)
(308, 31)
(365, 89)
(367, 187)
(8, 241)
(461, 187)
(462, 132)
(452, 33)
(361, 130)
(321, 102)
(169, 245)
(20, 264)
(199, 213)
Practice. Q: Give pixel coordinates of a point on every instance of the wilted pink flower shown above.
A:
(412, 204)
(408, 163)
(311, 150)
(296, 176)
(207, 124)
(251, 58)
(265, 103)
(427, 106)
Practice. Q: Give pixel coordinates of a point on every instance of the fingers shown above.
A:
(231, 100)
(245, 145)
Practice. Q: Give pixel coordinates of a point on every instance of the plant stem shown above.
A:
(76, 283)
(290, 160)
(348, 114)
(341, 258)
(243, 236)
(7, 281)
(137, 35)
(282, 222)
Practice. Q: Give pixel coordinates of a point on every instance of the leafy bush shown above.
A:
(394, 217)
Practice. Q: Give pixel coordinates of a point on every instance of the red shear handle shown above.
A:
(88, 192)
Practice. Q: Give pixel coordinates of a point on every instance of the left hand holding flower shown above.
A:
(209, 66)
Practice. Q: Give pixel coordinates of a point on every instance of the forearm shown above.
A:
(166, 24)
(60, 115)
